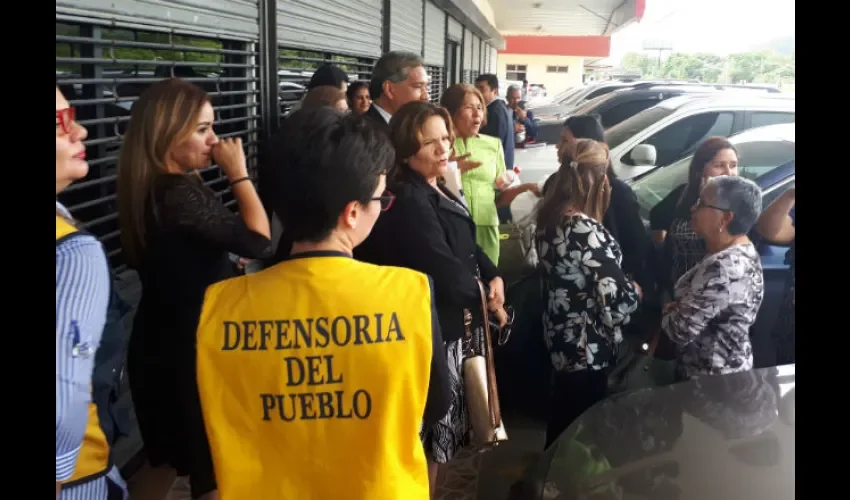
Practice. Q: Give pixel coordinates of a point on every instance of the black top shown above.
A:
(376, 116)
(435, 235)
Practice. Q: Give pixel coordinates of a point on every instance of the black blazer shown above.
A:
(375, 115)
(426, 232)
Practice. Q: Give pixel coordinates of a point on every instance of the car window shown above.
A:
(620, 112)
(762, 118)
(599, 92)
(757, 160)
(626, 129)
(676, 139)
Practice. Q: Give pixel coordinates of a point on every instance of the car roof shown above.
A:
(742, 100)
(779, 131)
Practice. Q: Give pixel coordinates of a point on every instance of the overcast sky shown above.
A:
(717, 26)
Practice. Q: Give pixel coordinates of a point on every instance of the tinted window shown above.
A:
(599, 92)
(761, 118)
(755, 161)
(620, 112)
(676, 139)
(624, 130)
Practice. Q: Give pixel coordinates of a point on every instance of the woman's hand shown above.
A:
(501, 317)
(496, 298)
(230, 156)
(666, 308)
(463, 164)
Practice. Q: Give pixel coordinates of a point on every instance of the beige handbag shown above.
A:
(479, 378)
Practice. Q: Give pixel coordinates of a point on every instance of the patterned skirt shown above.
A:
(452, 433)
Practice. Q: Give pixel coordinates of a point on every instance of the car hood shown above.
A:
(722, 436)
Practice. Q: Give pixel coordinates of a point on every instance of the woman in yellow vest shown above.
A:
(178, 235)
(83, 467)
(316, 374)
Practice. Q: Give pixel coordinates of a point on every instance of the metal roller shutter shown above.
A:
(236, 17)
(102, 65)
(476, 57)
(406, 25)
(494, 59)
(435, 35)
(455, 29)
(485, 58)
(467, 57)
(437, 85)
(337, 26)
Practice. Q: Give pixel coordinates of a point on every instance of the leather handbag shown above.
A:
(479, 378)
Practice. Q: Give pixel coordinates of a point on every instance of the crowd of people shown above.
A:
(337, 371)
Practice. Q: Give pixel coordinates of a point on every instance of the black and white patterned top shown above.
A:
(589, 296)
(718, 300)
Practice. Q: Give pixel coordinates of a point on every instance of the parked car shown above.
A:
(722, 436)
(662, 134)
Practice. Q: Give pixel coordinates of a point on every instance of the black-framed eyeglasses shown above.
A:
(702, 204)
(387, 199)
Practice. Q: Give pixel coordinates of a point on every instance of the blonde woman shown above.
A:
(82, 298)
(178, 235)
(589, 296)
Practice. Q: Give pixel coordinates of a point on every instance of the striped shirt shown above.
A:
(82, 297)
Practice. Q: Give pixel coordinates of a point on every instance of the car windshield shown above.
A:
(755, 160)
(624, 130)
(588, 106)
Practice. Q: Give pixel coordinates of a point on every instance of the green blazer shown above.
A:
(479, 184)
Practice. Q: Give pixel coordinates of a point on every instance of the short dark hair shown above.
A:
(325, 161)
(392, 66)
(586, 127)
(327, 74)
(354, 88)
(491, 79)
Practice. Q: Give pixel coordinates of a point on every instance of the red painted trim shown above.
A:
(640, 8)
(580, 46)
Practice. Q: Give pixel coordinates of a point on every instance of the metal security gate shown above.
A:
(467, 57)
(475, 58)
(406, 25)
(351, 27)
(102, 66)
(437, 85)
(297, 66)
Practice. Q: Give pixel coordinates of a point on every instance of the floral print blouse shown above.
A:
(589, 296)
(717, 303)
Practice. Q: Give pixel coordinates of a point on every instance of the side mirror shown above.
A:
(644, 155)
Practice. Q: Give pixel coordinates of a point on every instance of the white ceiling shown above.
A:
(561, 17)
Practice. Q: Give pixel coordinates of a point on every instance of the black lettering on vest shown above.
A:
(322, 330)
(362, 404)
(335, 328)
(231, 327)
(249, 327)
(306, 406)
(361, 324)
(394, 327)
(268, 405)
(294, 371)
(331, 380)
(340, 406)
(378, 323)
(314, 366)
(306, 333)
(283, 341)
(265, 333)
(280, 398)
(326, 407)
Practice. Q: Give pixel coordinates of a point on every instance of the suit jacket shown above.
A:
(431, 234)
(500, 124)
(375, 115)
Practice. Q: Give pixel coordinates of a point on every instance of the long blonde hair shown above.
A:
(164, 115)
(580, 183)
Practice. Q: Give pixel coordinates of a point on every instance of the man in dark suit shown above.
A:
(500, 118)
(397, 79)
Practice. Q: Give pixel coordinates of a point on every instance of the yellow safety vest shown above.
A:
(94, 458)
(313, 376)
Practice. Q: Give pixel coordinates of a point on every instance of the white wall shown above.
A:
(536, 70)
(486, 9)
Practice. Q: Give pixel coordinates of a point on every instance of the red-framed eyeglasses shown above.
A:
(387, 199)
(65, 117)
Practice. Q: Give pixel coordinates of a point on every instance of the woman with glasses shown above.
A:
(83, 469)
(716, 301)
(670, 219)
(430, 230)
